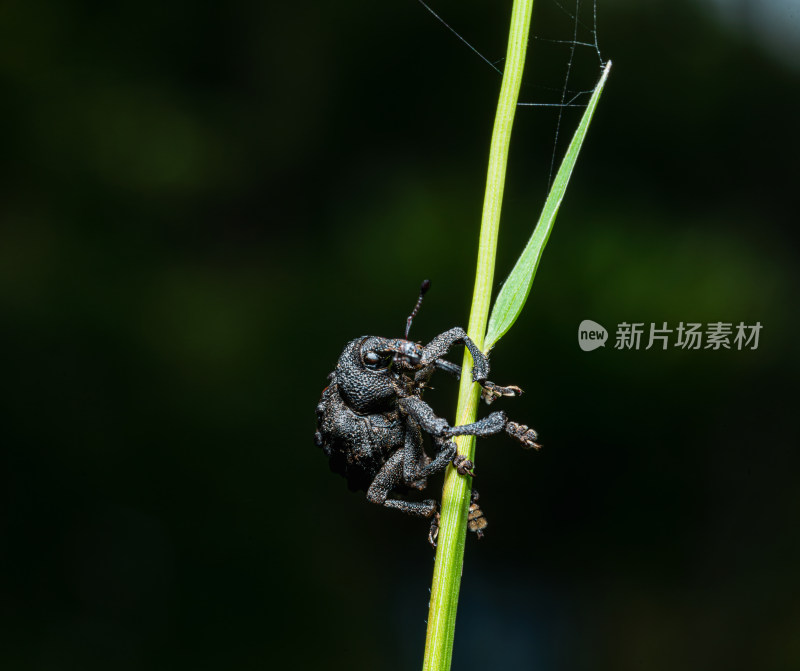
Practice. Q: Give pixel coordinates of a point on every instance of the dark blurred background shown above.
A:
(202, 202)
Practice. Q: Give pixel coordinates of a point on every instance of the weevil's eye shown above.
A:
(374, 361)
(371, 359)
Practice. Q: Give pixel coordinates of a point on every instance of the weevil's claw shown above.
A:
(433, 533)
(463, 465)
(476, 521)
(523, 434)
(491, 392)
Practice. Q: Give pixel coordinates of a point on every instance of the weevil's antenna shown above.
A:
(423, 289)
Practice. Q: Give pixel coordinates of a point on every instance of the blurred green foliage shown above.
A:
(202, 203)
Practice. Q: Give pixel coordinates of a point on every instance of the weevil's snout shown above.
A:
(407, 353)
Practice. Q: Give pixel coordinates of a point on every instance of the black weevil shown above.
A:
(371, 417)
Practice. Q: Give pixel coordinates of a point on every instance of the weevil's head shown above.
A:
(370, 369)
(365, 375)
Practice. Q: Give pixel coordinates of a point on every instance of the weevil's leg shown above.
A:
(420, 483)
(387, 479)
(439, 346)
(417, 465)
(476, 521)
(488, 426)
(421, 415)
(424, 508)
(452, 368)
(448, 453)
(448, 447)
(490, 392)
(524, 434)
(423, 375)
(440, 461)
(463, 465)
(413, 455)
(427, 419)
(437, 426)
(433, 532)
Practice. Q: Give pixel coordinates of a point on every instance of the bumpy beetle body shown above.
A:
(371, 417)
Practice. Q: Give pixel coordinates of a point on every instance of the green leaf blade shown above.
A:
(516, 288)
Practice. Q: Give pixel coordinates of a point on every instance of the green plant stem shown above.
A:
(456, 493)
